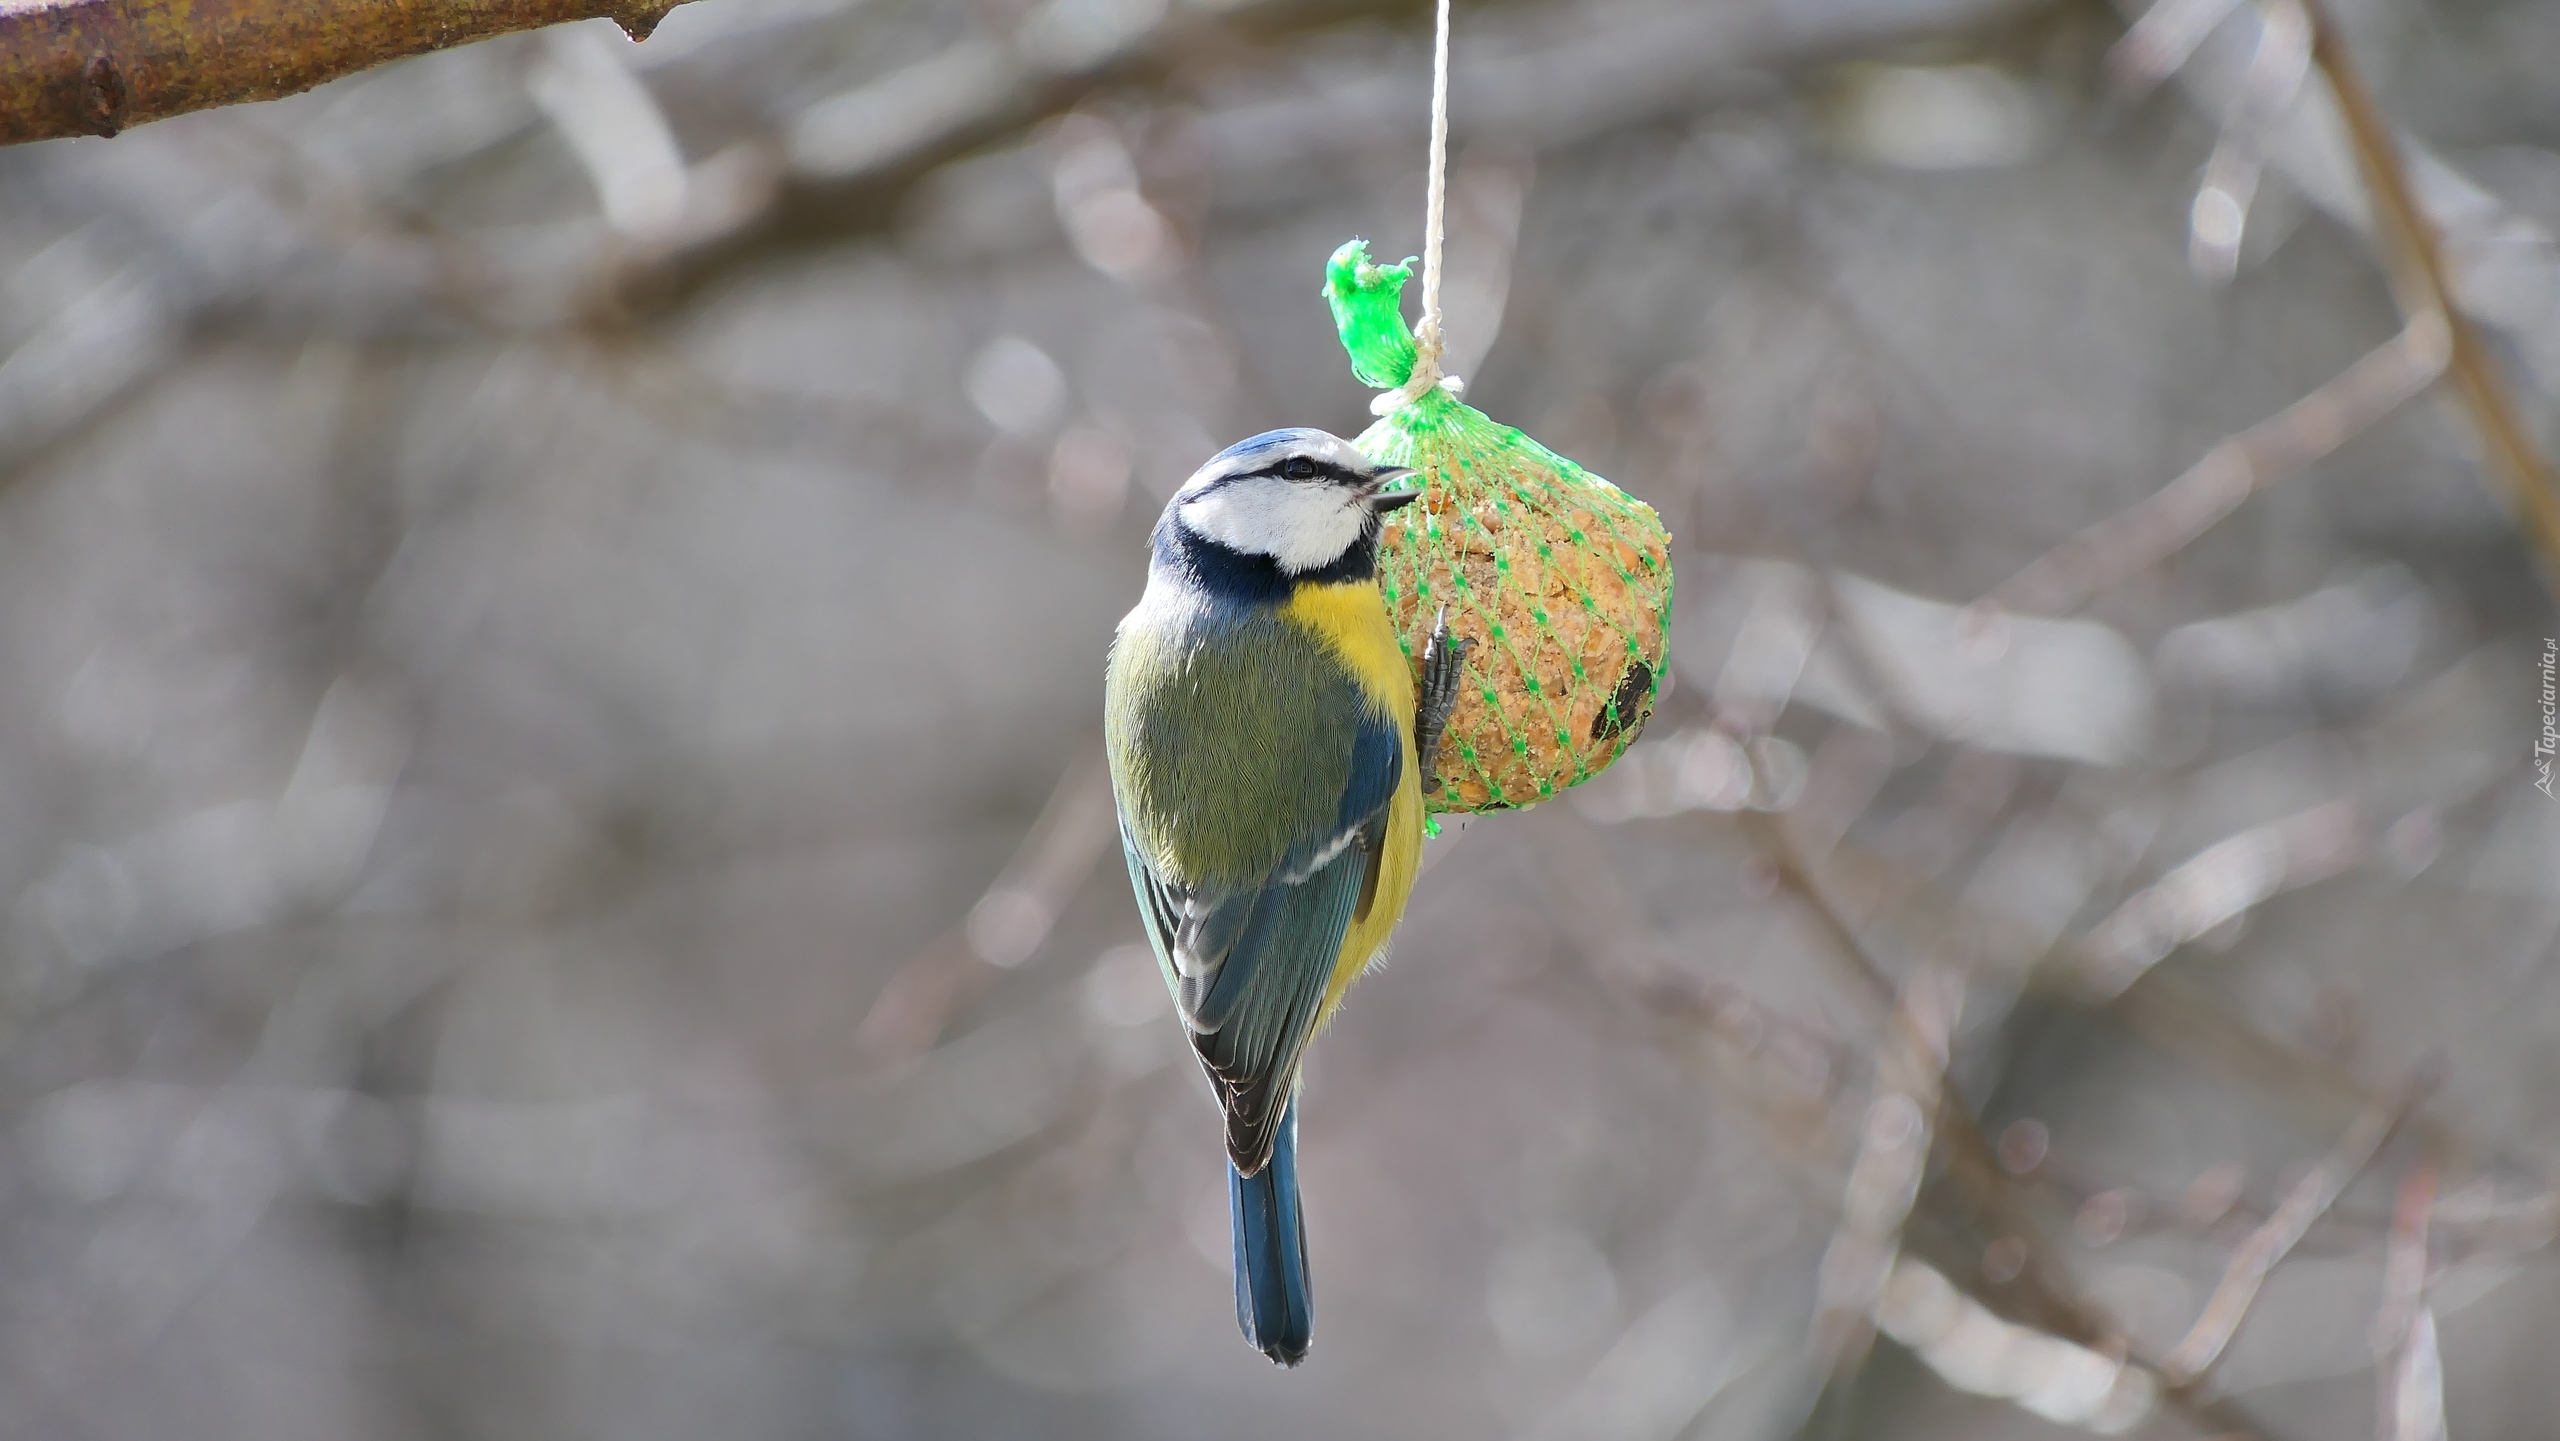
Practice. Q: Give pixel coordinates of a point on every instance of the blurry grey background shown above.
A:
(556, 877)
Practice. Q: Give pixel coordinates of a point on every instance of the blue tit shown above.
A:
(1264, 730)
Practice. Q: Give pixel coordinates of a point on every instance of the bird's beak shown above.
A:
(1382, 500)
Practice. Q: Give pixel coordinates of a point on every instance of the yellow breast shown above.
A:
(1352, 617)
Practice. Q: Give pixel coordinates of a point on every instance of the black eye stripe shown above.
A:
(1325, 470)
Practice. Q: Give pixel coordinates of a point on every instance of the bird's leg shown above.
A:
(1443, 656)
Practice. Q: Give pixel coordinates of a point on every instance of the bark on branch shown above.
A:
(93, 67)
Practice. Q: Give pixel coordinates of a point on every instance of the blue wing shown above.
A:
(1249, 967)
(1377, 763)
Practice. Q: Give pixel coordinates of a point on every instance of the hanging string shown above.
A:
(1435, 210)
(1426, 336)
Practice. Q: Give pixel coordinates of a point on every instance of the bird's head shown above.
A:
(1303, 498)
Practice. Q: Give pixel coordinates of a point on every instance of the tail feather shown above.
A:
(1273, 1304)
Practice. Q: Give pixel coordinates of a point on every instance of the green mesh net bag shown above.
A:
(1560, 581)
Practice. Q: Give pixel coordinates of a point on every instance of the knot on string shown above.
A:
(1426, 378)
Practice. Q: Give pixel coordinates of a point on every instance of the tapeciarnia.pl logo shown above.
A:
(2548, 742)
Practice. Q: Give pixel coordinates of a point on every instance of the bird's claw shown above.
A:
(1444, 659)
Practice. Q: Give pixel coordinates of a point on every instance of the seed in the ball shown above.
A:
(1622, 705)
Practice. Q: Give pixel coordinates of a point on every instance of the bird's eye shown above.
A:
(1299, 468)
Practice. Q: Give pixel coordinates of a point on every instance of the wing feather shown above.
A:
(1159, 906)
(1272, 985)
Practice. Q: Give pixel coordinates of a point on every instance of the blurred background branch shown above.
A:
(2417, 251)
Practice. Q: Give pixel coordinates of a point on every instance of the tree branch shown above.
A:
(2410, 239)
(94, 67)
(2177, 515)
(2267, 1246)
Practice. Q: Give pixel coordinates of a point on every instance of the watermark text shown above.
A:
(2547, 744)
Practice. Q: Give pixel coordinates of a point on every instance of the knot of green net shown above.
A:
(1368, 313)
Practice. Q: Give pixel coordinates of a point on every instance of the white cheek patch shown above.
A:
(1304, 526)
